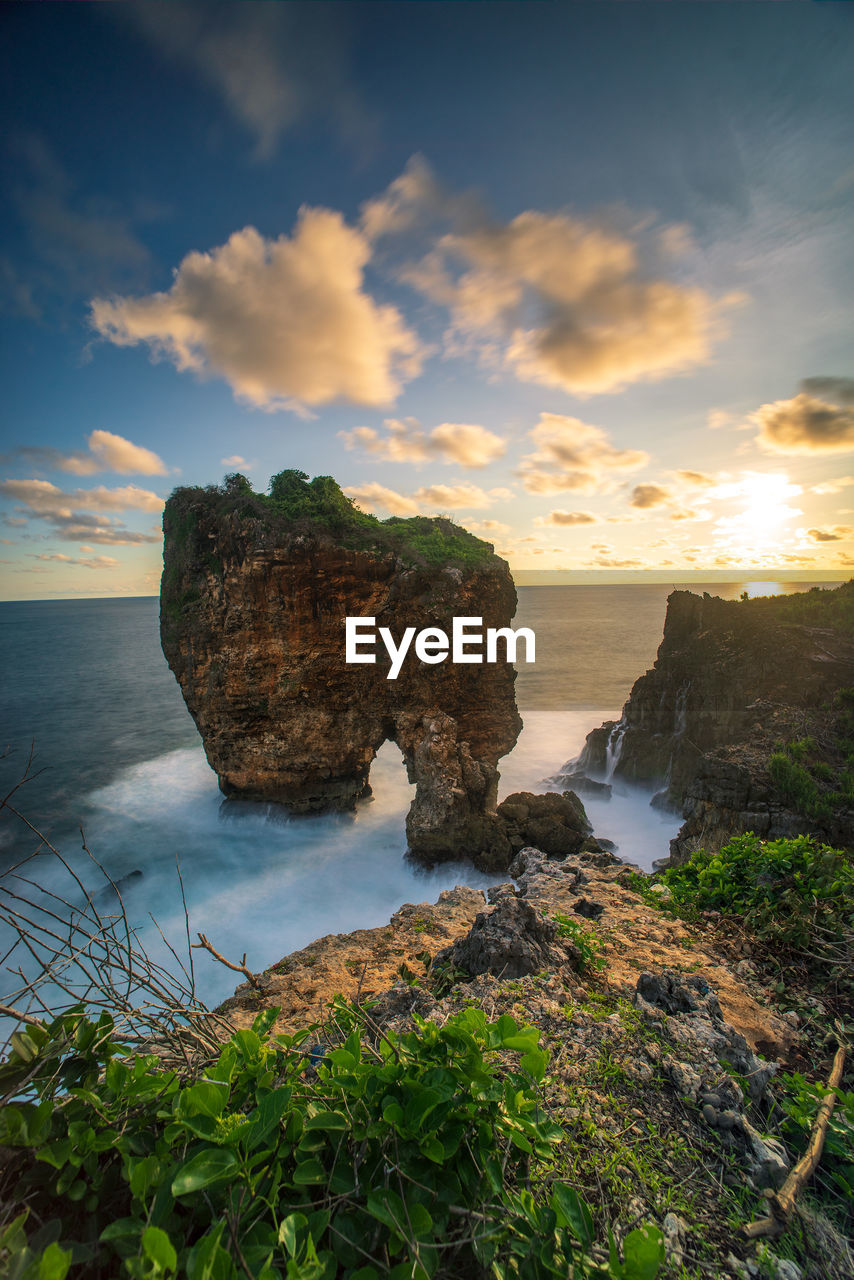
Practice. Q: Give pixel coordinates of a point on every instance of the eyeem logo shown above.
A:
(432, 644)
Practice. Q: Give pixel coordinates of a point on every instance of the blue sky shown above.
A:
(579, 275)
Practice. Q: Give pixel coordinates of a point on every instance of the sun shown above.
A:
(756, 529)
(766, 507)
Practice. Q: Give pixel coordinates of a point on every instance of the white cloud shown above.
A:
(575, 455)
(120, 455)
(96, 562)
(567, 518)
(374, 496)
(44, 498)
(75, 514)
(429, 499)
(107, 452)
(234, 461)
(487, 526)
(563, 301)
(466, 444)
(286, 322)
(805, 425)
(409, 199)
(720, 419)
(456, 496)
(828, 487)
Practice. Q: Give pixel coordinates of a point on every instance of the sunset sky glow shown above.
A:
(580, 276)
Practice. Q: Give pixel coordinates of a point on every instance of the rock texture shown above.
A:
(252, 625)
(732, 680)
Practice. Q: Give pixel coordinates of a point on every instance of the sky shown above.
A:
(579, 275)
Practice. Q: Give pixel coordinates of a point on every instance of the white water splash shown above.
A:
(261, 882)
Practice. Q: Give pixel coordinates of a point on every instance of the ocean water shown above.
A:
(87, 699)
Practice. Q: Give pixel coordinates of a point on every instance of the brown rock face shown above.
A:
(733, 681)
(253, 627)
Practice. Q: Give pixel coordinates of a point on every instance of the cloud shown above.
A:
(563, 301)
(375, 496)
(645, 496)
(839, 533)
(97, 562)
(43, 498)
(286, 322)
(466, 444)
(414, 197)
(107, 533)
(107, 452)
(456, 496)
(837, 390)
(271, 64)
(77, 244)
(720, 419)
(427, 499)
(567, 518)
(66, 510)
(805, 425)
(612, 562)
(574, 455)
(487, 526)
(234, 461)
(832, 486)
(696, 479)
(120, 455)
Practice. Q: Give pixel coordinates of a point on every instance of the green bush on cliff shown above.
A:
(818, 607)
(397, 1156)
(794, 894)
(296, 503)
(817, 777)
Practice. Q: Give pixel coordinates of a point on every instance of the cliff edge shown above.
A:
(254, 596)
(746, 720)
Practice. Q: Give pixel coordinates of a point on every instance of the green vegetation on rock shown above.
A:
(403, 1156)
(795, 896)
(296, 504)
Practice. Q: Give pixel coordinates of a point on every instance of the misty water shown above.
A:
(117, 754)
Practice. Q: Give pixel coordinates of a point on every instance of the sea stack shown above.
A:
(254, 597)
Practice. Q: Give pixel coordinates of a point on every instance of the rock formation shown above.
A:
(254, 596)
(734, 681)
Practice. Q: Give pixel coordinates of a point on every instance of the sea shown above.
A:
(101, 752)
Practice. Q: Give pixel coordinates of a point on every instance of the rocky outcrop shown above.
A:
(253, 603)
(510, 940)
(733, 681)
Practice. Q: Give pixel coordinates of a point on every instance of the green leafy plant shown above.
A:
(404, 1156)
(794, 894)
(588, 946)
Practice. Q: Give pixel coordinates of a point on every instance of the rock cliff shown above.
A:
(744, 720)
(254, 595)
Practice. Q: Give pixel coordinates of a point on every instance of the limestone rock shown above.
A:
(555, 824)
(253, 608)
(512, 940)
(732, 679)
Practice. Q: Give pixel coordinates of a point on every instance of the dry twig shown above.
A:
(207, 945)
(783, 1202)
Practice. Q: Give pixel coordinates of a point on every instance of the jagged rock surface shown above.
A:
(509, 941)
(729, 683)
(252, 625)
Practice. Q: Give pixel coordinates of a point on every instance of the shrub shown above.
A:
(297, 503)
(792, 893)
(399, 1156)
